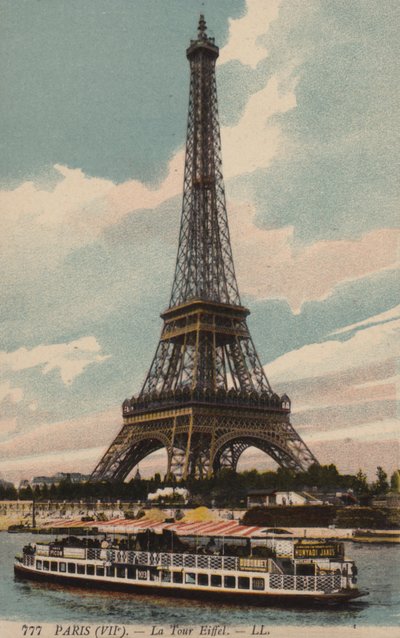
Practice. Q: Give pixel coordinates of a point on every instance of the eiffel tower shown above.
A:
(206, 397)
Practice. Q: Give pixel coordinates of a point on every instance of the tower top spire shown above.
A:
(202, 28)
(203, 41)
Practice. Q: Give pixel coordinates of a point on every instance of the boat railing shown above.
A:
(132, 557)
(162, 559)
(326, 582)
(165, 559)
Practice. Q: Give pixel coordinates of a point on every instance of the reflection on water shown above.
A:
(23, 600)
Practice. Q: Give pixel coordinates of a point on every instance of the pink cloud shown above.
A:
(270, 265)
(68, 436)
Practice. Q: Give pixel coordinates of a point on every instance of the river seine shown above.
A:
(378, 565)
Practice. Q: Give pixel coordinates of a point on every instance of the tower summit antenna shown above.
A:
(202, 28)
(206, 397)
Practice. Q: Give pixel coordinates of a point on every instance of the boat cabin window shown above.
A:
(216, 581)
(258, 583)
(202, 579)
(243, 582)
(99, 571)
(46, 565)
(53, 566)
(177, 577)
(63, 567)
(120, 572)
(80, 569)
(131, 571)
(39, 564)
(90, 570)
(190, 578)
(71, 568)
(166, 577)
(230, 582)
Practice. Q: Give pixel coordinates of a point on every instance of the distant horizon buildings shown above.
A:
(40, 481)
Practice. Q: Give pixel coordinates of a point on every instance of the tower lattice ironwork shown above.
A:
(206, 397)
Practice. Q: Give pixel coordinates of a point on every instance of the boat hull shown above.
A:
(228, 596)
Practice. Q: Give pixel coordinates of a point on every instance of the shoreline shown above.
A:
(372, 536)
(19, 513)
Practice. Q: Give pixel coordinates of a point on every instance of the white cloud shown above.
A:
(393, 313)
(372, 431)
(42, 225)
(245, 33)
(11, 394)
(256, 139)
(69, 358)
(394, 380)
(7, 427)
(369, 346)
(271, 266)
(344, 395)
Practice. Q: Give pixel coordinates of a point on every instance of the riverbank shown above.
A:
(327, 516)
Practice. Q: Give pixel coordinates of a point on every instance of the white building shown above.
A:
(266, 498)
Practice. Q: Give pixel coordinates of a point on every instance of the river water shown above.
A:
(379, 571)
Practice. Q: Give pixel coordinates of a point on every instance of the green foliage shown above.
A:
(381, 485)
(228, 488)
(25, 494)
(8, 493)
(360, 483)
(289, 516)
(322, 516)
(395, 481)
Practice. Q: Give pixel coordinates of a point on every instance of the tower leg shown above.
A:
(186, 465)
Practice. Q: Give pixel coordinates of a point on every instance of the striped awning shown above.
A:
(129, 526)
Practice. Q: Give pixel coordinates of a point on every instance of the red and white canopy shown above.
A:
(128, 526)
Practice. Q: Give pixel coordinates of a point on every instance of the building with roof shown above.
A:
(271, 497)
(74, 477)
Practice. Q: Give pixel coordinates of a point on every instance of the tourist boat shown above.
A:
(249, 570)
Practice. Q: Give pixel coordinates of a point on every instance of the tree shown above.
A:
(381, 485)
(395, 481)
(285, 479)
(157, 478)
(65, 489)
(360, 483)
(26, 493)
